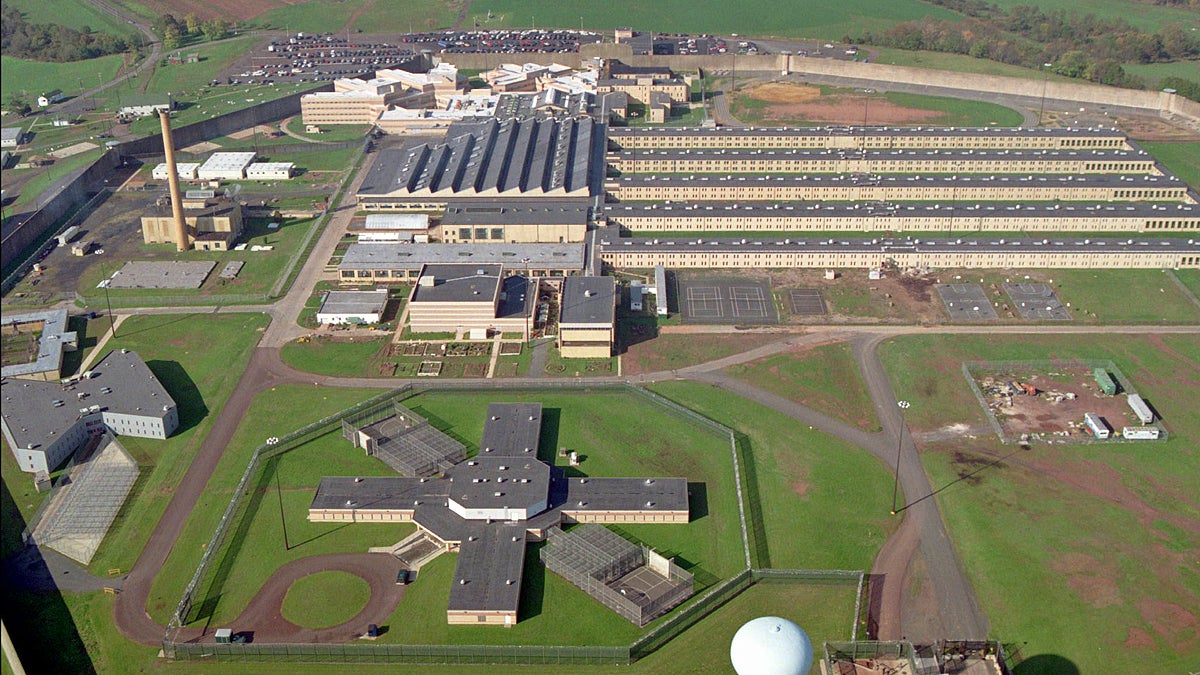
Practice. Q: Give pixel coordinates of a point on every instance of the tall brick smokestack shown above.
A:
(179, 227)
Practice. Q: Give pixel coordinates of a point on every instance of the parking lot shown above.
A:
(1037, 302)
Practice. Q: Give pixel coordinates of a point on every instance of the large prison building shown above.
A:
(1043, 138)
(524, 222)
(401, 262)
(1000, 187)
(899, 217)
(487, 507)
(491, 159)
(896, 160)
(625, 253)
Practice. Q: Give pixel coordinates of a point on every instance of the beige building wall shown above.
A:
(628, 163)
(944, 259)
(625, 517)
(520, 233)
(962, 220)
(799, 138)
(158, 229)
(778, 190)
(335, 110)
(480, 618)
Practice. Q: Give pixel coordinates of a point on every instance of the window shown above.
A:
(464, 233)
(481, 233)
(498, 233)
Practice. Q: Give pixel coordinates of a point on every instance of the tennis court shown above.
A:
(726, 300)
(806, 302)
(1037, 302)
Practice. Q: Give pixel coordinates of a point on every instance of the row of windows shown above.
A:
(742, 165)
(852, 192)
(876, 142)
(819, 259)
(881, 223)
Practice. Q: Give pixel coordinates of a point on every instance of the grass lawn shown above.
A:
(959, 63)
(825, 378)
(254, 282)
(332, 133)
(957, 112)
(32, 192)
(813, 490)
(311, 17)
(209, 102)
(73, 14)
(21, 77)
(1153, 72)
(709, 546)
(759, 17)
(186, 79)
(198, 359)
(1101, 532)
(335, 357)
(406, 17)
(557, 366)
(1183, 159)
(672, 351)
(1146, 17)
(1191, 279)
(325, 599)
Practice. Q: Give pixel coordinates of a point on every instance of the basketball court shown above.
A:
(966, 302)
(1037, 302)
(726, 300)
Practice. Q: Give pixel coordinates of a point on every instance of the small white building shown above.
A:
(185, 171)
(1140, 433)
(352, 307)
(225, 166)
(1097, 426)
(270, 170)
(11, 137)
(50, 97)
(1139, 407)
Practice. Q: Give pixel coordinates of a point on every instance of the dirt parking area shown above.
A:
(853, 297)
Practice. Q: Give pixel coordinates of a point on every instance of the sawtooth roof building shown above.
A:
(487, 507)
(491, 159)
(46, 422)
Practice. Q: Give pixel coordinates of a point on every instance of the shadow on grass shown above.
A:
(1046, 664)
(36, 620)
(551, 423)
(444, 427)
(188, 399)
(533, 583)
(697, 501)
(968, 477)
(756, 529)
(234, 542)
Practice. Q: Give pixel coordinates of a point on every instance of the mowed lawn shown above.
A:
(198, 359)
(824, 378)
(1182, 159)
(822, 503)
(635, 440)
(1105, 534)
(75, 14)
(806, 18)
(668, 351)
(29, 79)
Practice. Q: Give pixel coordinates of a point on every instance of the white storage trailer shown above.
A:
(1096, 425)
(1140, 433)
(1143, 412)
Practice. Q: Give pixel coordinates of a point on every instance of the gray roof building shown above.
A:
(507, 213)
(410, 256)
(588, 301)
(54, 340)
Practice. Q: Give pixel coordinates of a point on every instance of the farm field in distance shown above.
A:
(1100, 510)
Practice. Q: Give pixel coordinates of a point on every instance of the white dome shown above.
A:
(770, 645)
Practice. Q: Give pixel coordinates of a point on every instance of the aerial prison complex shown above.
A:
(550, 197)
(488, 507)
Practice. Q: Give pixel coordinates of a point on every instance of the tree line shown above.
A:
(52, 42)
(1074, 44)
(176, 33)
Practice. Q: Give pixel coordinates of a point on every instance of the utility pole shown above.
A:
(1045, 82)
(904, 405)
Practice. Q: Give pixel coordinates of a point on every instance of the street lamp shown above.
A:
(1045, 83)
(904, 405)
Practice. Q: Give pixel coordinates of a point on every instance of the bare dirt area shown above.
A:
(852, 297)
(792, 102)
(1064, 395)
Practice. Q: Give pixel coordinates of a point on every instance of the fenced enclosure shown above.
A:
(403, 440)
(227, 540)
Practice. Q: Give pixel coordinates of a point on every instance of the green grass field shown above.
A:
(72, 14)
(762, 18)
(812, 489)
(325, 599)
(198, 359)
(824, 378)
(1153, 72)
(407, 17)
(29, 79)
(957, 112)
(952, 111)
(1190, 279)
(328, 357)
(1183, 159)
(959, 63)
(368, 16)
(256, 279)
(1100, 532)
(1142, 15)
(31, 192)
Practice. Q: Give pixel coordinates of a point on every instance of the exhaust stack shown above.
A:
(182, 240)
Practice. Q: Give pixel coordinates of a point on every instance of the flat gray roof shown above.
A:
(412, 256)
(10, 133)
(951, 154)
(387, 492)
(997, 132)
(358, 303)
(512, 430)
(491, 562)
(397, 221)
(53, 340)
(626, 494)
(37, 412)
(1132, 181)
(734, 210)
(1079, 245)
(589, 300)
(459, 283)
(508, 213)
(500, 482)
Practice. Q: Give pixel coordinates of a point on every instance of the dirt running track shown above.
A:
(265, 612)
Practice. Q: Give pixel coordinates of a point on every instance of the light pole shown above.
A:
(528, 333)
(1045, 83)
(112, 325)
(904, 405)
